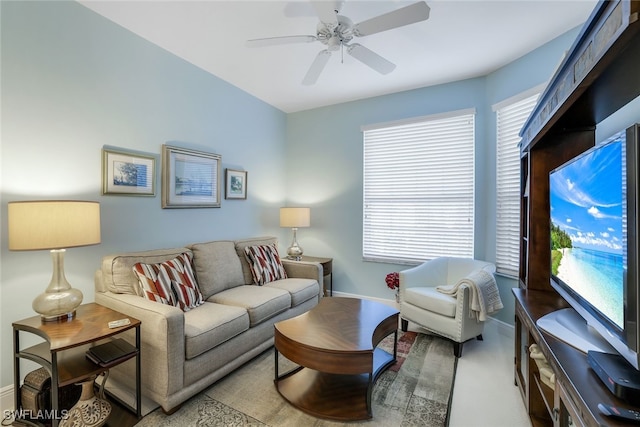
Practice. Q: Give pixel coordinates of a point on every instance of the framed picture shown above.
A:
(235, 184)
(190, 179)
(128, 173)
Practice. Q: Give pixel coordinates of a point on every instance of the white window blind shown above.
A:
(419, 188)
(510, 119)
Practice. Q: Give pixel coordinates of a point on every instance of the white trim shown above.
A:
(6, 399)
(438, 116)
(519, 97)
(509, 328)
(389, 302)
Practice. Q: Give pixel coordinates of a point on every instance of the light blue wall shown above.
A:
(324, 158)
(72, 82)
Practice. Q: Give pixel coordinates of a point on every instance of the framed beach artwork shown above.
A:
(128, 173)
(190, 179)
(235, 184)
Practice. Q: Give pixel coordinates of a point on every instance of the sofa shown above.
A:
(184, 352)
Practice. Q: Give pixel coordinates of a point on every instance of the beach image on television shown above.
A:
(587, 235)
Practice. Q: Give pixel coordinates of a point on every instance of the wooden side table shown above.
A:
(63, 352)
(327, 270)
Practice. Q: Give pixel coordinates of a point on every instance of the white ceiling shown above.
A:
(461, 39)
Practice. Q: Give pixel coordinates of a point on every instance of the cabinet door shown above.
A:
(522, 356)
(565, 413)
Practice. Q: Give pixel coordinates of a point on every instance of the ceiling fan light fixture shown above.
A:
(334, 43)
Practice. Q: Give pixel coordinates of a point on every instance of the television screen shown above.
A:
(588, 229)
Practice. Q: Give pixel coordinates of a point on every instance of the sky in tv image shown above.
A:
(586, 199)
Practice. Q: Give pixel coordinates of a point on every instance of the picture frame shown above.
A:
(190, 178)
(128, 173)
(235, 184)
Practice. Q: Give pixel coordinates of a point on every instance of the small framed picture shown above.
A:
(235, 184)
(190, 179)
(128, 173)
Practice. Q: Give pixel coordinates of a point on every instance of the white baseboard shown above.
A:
(503, 327)
(390, 302)
(6, 399)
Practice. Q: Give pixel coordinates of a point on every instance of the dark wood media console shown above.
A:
(599, 76)
(578, 390)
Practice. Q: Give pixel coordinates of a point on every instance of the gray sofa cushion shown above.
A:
(117, 270)
(217, 266)
(260, 302)
(301, 290)
(241, 244)
(209, 325)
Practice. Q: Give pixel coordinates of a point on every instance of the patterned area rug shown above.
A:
(416, 391)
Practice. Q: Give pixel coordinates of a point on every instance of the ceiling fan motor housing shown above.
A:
(335, 36)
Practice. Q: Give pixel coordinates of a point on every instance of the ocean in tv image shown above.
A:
(587, 235)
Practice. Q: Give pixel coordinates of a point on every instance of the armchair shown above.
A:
(446, 314)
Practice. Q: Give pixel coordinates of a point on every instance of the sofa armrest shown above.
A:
(304, 270)
(161, 339)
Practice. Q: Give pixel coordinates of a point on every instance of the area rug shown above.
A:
(415, 392)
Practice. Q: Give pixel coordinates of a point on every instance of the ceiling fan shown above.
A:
(336, 32)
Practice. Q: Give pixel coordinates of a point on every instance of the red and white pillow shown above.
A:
(154, 283)
(265, 263)
(171, 282)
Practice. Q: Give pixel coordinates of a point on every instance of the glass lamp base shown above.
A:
(54, 306)
(59, 301)
(59, 317)
(295, 253)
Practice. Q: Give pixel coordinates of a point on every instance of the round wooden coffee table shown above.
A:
(335, 345)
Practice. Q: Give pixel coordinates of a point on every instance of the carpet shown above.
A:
(416, 391)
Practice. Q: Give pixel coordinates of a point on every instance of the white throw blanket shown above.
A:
(485, 297)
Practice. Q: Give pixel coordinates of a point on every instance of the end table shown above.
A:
(327, 270)
(63, 352)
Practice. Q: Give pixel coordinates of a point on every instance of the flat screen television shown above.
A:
(594, 247)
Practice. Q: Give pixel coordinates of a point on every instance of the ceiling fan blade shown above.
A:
(370, 58)
(316, 67)
(273, 41)
(398, 18)
(328, 10)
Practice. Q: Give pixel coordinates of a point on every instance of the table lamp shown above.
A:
(295, 218)
(54, 225)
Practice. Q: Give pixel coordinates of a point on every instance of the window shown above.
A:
(510, 117)
(419, 188)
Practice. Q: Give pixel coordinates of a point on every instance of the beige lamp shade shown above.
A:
(53, 224)
(295, 217)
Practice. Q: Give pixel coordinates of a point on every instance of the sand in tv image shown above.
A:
(587, 215)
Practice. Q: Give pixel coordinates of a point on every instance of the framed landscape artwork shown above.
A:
(190, 179)
(127, 173)
(235, 184)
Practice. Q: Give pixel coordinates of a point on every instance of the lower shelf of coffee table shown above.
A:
(333, 396)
